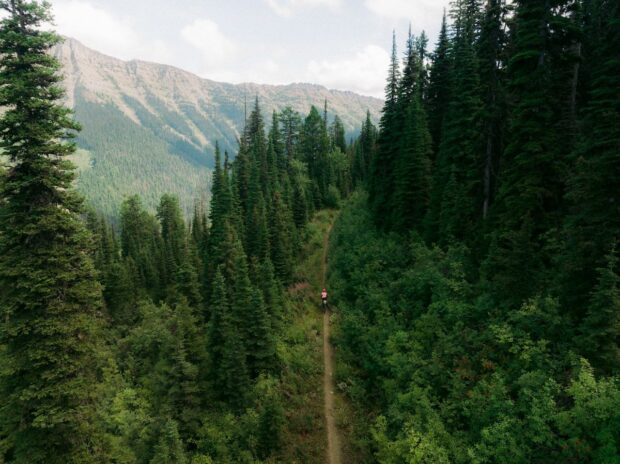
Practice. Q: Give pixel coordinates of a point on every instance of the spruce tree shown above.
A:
(50, 300)
(257, 148)
(169, 448)
(338, 134)
(492, 58)
(382, 164)
(260, 345)
(593, 222)
(364, 152)
(173, 235)
(267, 282)
(220, 218)
(281, 239)
(530, 193)
(439, 86)
(460, 145)
(226, 349)
(141, 241)
(600, 331)
(187, 284)
(181, 371)
(413, 176)
(275, 154)
(291, 127)
(300, 207)
(315, 146)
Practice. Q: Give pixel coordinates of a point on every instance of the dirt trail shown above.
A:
(333, 441)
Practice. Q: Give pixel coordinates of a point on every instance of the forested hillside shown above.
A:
(160, 340)
(472, 268)
(477, 281)
(150, 129)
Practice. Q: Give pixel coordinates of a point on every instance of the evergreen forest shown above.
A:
(469, 243)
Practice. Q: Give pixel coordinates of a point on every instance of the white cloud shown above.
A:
(215, 47)
(98, 29)
(364, 73)
(289, 7)
(413, 10)
(421, 14)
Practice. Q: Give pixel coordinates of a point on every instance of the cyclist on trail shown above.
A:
(324, 298)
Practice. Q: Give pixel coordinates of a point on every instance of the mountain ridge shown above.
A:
(150, 128)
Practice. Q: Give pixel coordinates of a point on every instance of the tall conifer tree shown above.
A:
(382, 164)
(439, 87)
(593, 223)
(531, 188)
(50, 301)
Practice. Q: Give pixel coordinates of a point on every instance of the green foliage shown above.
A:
(50, 302)
(451, 377)
(363, 152)
(530, 193)
(125, 158)
(381, 178)
(228, 356)
(413, 180)
(478, 295)
(591, 227)
(601, 327)
(169, 449)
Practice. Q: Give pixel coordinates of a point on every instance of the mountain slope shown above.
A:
(151, 128)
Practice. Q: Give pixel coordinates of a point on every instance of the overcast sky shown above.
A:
(342, 44)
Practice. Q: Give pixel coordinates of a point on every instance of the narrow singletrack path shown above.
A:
(333, 441)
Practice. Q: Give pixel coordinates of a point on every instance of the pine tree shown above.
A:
(173, 235)
(409, 85)
(141, 241)
(272, 294)
(364, 152)
(169, 448)
(492, 57)
(260, 345)
(593, 221)
(291, 127)
(531, 188)
(271, 417)
(439, 86)
(240, 290)
(50, 300)
(187, 284)
(382, 165)
(459, 149)
(278, 164)
(413, 176)
(300, 207)
(421, 48)
(257, 149)
(338, 134)
(226, 350)
(281, 239)
(257, 242)
(183, 395)
(600, 331)
(122, 292)
(315, 147)
(220, 217)
(200, 230)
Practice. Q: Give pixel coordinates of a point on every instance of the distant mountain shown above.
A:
(150, 128)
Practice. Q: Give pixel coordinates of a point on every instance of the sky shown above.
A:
(341, 44)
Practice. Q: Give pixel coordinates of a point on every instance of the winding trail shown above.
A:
(333, 441)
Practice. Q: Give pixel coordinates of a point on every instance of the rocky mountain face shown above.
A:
(150, 128)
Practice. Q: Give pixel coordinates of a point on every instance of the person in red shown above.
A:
(324, 298)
